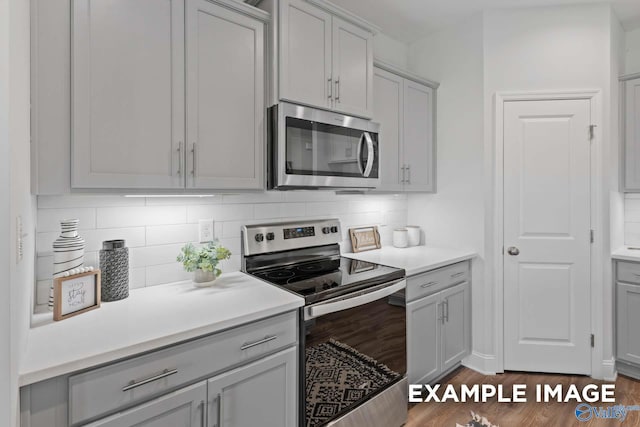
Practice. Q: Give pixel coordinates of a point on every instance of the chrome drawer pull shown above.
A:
(262, 341)
(164, 374)
(426, 285)
(453, 276)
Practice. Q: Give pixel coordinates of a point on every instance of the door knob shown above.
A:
(513, 251)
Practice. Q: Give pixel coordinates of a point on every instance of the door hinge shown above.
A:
(591, 234)
(592, 131)
(593, 340)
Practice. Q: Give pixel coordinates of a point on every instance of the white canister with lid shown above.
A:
(400, 238)
(414, 235)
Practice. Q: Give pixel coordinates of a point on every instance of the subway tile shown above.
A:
(235, 212)
(44, 268)
(263, 197)
(310, 196)
(42, 291)
(49, 219)
(134, 237)
(137, 278)
(183, 201)
(196, 213)
(140, 216)
(327, 208)
(166, 273)
(154, 255)
(87, 201)
(279, 210)
(167, 234)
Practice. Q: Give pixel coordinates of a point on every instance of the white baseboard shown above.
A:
(609, 372)
(482, 363)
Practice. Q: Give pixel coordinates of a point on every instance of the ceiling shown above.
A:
(409, 20)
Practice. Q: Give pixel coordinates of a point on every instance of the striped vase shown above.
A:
(68, 252)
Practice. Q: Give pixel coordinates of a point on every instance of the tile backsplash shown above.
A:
(156, 228)
(632, 219)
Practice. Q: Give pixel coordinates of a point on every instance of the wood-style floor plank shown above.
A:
(551, 414)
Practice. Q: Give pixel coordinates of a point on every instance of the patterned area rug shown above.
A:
(477, 421)
(338, 378)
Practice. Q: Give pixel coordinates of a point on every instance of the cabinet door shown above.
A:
(419, 147)
(628, 319)
(632, 135)
(305, 54)
(456, 334)
(128, 94)
(352, 69)
(424, 319)
(263, 393)
(225, 98)
(387, 110)
(182, 408)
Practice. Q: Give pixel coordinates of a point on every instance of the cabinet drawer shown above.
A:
(100, 391)
(436, 280)
(628, 272)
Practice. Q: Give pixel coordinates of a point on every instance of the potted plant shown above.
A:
(203, 261)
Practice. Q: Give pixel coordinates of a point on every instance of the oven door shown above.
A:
(319, 149)
(355, 351)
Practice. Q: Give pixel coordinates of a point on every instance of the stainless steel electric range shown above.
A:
(352, 339)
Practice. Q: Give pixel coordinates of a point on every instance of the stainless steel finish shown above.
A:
(426, 285)
(353, 300)
(179, 158)
(370, 156)
(257, 343)
(278, 177)
(387, 409)
(251, 247)
(329, 89)
(402, 181)
(203, 418)
(135, 384)
(193, 158)
(408, 174)
(220, 407)
(217, 400)
(513, 251)
(337, 90)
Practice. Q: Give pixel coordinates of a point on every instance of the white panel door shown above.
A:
(387, 110)
(632, 135)
(305, 54)
(352, 69)
(269, 387)
(418, 147)
(424, 318)
(225, 98)
(547, 318)
(128, 94)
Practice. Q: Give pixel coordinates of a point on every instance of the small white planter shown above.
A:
(202, 279)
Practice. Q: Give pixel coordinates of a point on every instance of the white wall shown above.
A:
(454, 216)
(390, 50)
(156, 228)
(558, 49)
(632, 51)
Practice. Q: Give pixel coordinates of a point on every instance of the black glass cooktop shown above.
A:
(329, 277)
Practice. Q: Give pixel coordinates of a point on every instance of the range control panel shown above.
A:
(264, 238)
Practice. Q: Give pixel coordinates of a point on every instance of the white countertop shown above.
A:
(150, 318)
(416, 259)
(626, 254)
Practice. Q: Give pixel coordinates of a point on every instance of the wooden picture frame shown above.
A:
(76, 294)
(364, 238)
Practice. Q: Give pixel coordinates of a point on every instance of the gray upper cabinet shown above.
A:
(320, 58)
(405, 109)
(127, 93)
(225, 98)
(631, 129)
(163, 94)
(182, 408)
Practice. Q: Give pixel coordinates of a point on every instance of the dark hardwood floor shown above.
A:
(553, 414)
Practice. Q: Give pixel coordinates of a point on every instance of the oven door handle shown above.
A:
(343, 304)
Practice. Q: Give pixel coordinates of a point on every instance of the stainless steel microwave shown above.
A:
(312, 148)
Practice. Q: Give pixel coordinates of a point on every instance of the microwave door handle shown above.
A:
(344, 304)
(370, 154)
(359, 154)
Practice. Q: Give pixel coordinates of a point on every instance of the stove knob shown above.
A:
(326, 230)
(270, 236)
(259, 237)
(334, 229)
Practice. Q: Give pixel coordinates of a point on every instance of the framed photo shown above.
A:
(364, 238)
(76, 294)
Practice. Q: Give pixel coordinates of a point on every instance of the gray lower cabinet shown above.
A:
(438, 322)
(627, 318)
(183, 408)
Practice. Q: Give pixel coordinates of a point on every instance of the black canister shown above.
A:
(114, 264)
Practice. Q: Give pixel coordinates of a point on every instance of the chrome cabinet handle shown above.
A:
(338, 90)
(220, 407)
(218, 398)
(408, 174)
(193, 158)
(402, 180)
(513, 251)
(133, 384)
(440, 309)
(262, 341)
(426, 285)
(179, 158)
(330, 89)
(203, 419)
(453, 276)
(446, 305)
